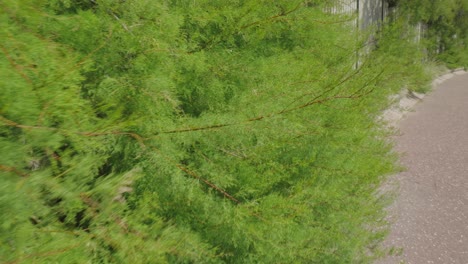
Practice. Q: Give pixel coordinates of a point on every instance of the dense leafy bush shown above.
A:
(446, 36)
(192, 132)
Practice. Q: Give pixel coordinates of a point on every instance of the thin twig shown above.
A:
(45, 254)
(282, 14)
(14, 65)
(313, 101)
(212, 185)
(14, 170)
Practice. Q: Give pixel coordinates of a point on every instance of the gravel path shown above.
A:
(430, 214)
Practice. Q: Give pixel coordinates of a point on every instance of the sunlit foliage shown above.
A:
(193, 131)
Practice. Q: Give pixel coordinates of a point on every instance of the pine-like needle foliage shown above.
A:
(186, 131)
(445, 28)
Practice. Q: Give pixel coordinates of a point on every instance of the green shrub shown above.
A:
(193, 132)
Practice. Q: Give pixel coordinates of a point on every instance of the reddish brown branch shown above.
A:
(196, 176)
(14, 170)
(212, 43)
(191, 129)
(44, 254)
(103, 44)
(282, 14)
(344, 78)
(14, 124)
(15, 66)
(212, 185)
(313, 101)
(136, 136)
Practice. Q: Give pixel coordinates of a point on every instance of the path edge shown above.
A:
(405, 101)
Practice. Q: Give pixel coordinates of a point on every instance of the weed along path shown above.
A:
(430, 214)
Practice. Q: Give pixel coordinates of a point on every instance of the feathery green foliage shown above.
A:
(446, 38)
(192, 132)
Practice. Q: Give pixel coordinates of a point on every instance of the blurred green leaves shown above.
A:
(192, 132)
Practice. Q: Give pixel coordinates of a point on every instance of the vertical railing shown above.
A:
(369, 13)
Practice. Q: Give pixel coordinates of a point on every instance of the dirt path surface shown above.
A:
(430, 213)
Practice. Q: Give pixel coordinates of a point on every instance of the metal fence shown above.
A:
(369, 12)
(344, 7)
